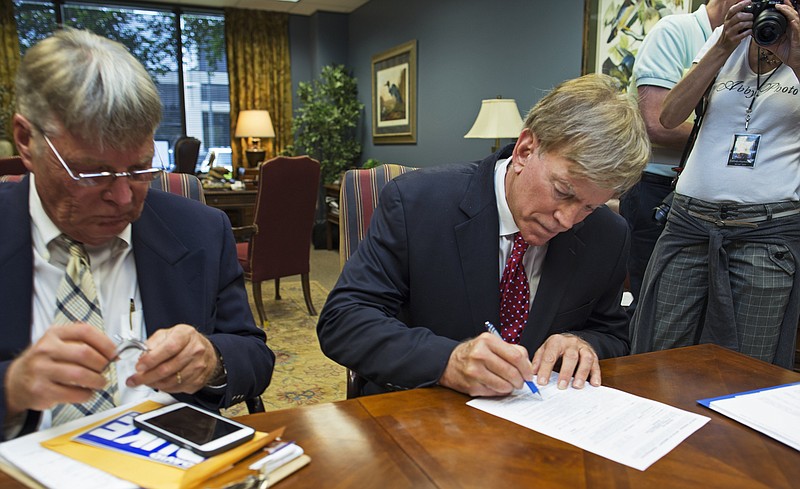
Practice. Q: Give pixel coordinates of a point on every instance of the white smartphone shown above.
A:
(201, 431)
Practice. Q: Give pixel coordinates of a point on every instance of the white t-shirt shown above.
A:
(775, 174)
(667, 51)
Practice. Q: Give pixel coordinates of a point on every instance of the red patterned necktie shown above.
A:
(514, 293)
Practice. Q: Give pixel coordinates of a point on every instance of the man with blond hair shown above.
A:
(411, 305)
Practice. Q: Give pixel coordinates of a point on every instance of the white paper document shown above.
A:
(773, 411)
(628, 429)
(54, 470)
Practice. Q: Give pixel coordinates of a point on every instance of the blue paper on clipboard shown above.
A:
(121, 435)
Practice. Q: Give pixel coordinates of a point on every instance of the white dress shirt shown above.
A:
(114, 273)
(534, 256)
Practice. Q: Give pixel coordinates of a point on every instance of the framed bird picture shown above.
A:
(614, 30)
(394, 95)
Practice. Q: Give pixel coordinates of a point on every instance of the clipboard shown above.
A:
(152, 474)
(766, 410)
(707, 402)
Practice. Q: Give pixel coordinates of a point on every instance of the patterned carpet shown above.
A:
(303, 375)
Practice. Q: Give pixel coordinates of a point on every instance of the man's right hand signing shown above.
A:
(487, 366)
(65, 366)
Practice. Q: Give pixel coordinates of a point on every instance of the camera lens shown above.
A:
(660, 213)
(768, 27)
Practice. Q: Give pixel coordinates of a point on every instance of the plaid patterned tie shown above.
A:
(76, 301)
(514, 293)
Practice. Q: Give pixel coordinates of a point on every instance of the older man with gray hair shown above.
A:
(91, 257)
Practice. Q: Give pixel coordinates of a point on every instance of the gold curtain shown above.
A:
(259, 73)
(9, 61)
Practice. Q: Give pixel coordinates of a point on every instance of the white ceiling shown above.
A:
(302, 7)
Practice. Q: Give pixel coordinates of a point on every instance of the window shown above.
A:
(205, 74)
(195, 98)
(35, 20)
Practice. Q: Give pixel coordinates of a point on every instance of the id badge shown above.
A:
(744, 150)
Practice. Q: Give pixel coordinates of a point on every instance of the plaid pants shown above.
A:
(716, 278)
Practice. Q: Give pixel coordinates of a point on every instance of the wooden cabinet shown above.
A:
(240, 205)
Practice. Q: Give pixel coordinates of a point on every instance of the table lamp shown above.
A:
(254, 124)
(498, 118)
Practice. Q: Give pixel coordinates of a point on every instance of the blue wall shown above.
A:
(315, 42)
(466, 51)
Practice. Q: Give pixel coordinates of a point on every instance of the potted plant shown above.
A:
(324, 125)
(371, 163)
(6, 112)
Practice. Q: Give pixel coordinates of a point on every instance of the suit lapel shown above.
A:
(171, 277)
(16, 268)
(480, 275)
(477, 239)
(558, 270)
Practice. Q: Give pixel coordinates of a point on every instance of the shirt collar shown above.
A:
(507, 224)
(701, 15)
(45, 231)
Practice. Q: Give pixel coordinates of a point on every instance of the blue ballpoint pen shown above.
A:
(531, 385)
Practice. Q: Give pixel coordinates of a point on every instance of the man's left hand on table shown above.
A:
(578, 360)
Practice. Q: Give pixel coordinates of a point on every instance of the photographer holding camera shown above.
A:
(723, 270)
(666, 53)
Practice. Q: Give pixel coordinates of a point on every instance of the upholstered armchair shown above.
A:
(185, 152)
(279, 243)
(12, 165)
(182, 184)
(357, 201)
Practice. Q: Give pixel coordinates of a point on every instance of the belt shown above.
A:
(747, 221)
(657, 179)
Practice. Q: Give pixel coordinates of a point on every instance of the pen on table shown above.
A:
(531, 385)
(280, 451)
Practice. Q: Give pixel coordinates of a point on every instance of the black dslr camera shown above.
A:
(768, 23)
(661, 211)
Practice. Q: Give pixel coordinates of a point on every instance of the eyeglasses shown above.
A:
(105, 178)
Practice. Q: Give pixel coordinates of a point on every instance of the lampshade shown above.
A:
(254, 124)
(498, 118)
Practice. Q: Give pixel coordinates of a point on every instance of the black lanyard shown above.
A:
(759, 85)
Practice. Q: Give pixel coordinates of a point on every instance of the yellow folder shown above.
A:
(149, 474)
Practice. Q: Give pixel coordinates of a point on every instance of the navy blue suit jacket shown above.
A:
(188, 273)
(426, 277)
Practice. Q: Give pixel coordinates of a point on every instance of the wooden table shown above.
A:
(354, 443)
(431, 438)
(240, 205)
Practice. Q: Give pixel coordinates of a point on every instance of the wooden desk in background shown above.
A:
(240, 205)
(331, 218)
(431, 438)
